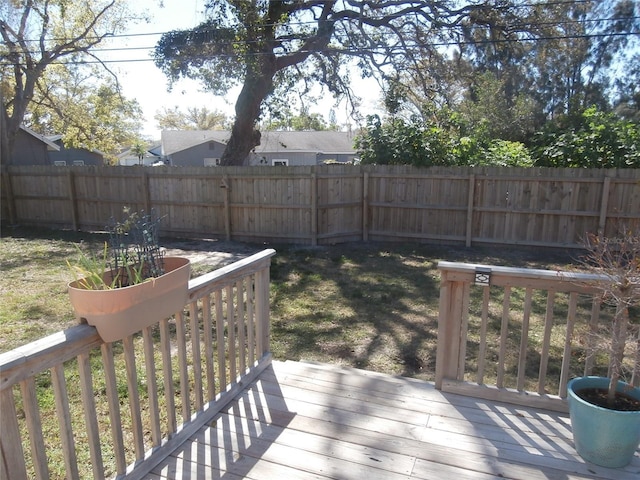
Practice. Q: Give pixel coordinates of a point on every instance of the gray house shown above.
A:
(73, 156)
(205, 147)
(31, 148)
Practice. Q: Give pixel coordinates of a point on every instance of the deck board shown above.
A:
(310, 421)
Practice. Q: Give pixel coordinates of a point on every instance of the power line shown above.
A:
(372, 51)
(399, 15)
(246, 42)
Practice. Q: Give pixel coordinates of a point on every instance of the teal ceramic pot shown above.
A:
(608, 438)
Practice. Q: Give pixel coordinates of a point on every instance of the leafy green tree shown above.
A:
(593, 139)
(269, 46)
(139, 149)
(489, 112)
(37, 34)
(87, 110)
(287, 121)
(416, 143)
(193, 119)
(397, 142)
(518, 67)
(504, 153)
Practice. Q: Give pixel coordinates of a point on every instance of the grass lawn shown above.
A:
(372, 306)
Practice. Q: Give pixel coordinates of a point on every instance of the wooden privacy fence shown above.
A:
(334, 204)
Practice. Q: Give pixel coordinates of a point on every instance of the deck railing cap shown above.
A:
(565, 275)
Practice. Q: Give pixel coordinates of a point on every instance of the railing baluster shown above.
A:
(231, 333)
(134, 396)
(167, 373)
(482, 349)
(566, 355)
(222, 365)
(13, 466)
(114, 407)
(64, 421)
(524, 339)
(207, 326)
(152, 386)
(262, 310)
(593, 334)
(546, 342)
(242, 349)
(181, 340)
(90, 419)
(504, 331)
(34, 425)
(251, 319)
(194, 326)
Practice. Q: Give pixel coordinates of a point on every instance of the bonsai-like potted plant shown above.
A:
(605, 412)
(131, 284)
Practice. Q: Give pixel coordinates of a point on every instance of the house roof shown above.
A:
(57, 139)
(50, 145)
(327, 142)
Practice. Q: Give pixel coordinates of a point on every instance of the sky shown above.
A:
(141, 80)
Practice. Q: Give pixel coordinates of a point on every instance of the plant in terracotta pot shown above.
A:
(131, 284)
(605, 411)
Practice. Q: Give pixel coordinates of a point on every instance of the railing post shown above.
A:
(262, 309)
(451, 350)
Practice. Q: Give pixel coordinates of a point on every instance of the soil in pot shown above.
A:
(598, 396)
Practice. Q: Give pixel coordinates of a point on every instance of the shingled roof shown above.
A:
(327, 142)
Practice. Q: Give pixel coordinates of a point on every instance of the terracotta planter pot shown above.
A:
(120, 312)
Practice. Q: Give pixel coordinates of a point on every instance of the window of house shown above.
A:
(78, 163)
(211, 162)
(212, 145)
(280, 162)
(60, 163)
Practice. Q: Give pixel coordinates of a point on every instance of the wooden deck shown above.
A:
(309, 421)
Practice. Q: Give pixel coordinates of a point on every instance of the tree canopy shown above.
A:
(270, 46)
(193, 118)
(39, 34)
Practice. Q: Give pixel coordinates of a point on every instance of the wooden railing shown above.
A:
(523, 337)
(115, 403)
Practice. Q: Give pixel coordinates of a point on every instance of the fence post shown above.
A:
(314, 209)
(145, 190)
(11, 203)
(365, 207)
(470, 203)
(73, 199)
(227, 212)
(604, 204)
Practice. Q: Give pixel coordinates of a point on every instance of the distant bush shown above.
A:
(592, 139)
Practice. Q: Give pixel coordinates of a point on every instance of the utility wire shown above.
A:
(248, 42)
(311, 22)
(372, 51)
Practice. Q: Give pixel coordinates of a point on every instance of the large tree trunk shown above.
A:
(244, 136)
